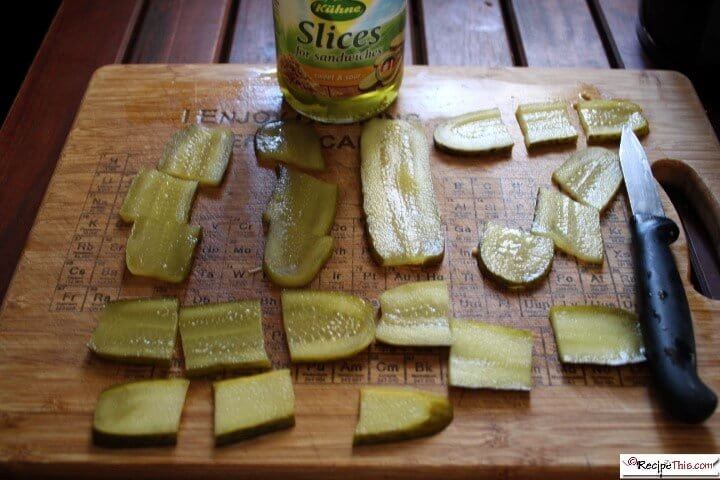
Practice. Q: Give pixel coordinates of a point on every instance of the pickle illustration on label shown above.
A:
(339, 60)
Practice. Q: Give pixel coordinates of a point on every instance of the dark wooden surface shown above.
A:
(86, 34)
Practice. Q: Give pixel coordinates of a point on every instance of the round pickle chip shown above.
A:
(514, 258)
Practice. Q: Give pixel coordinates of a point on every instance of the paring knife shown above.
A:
(664, 312)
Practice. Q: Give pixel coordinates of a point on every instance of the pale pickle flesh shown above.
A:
(415, 314)
(513, 257)
(326, 325)
(137, 331)
(490, 356)
(300, 215)
(597, 335)
(290, 142)
(403, 220)
(157, 194)
(477, 132)
(198, 153)
(389, 414)
(602, 120)
(161, 248)
(140, 414)
(574, 227)
(545, 124)
(591, 176)
(223, 336)
(246, 407)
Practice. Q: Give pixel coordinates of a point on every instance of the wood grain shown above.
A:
(572, 425)
(254, 39)
(559, 33)
(621, 18)
(181, 31)
(83, 36)
(465, 33)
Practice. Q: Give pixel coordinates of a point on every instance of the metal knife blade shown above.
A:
(639, 180)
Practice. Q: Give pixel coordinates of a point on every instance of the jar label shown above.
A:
(338, 48)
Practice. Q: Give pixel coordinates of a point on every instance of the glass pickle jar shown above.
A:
(339, 61)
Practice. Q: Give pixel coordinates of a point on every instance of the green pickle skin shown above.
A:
(290, 142)
(595, 334)
(139, 331)
(602, 120)
(391, 414)
(223, 336)
(415, 314)
(198, 153)
(247, 407)
(144, 413)
(545, 124)
(161, 248)
(481, 132)
(323, 326)
(157, 194)
(300, 216)
(403, 219)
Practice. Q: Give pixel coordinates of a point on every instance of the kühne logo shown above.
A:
(337, 9)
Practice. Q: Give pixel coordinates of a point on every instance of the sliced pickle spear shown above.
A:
(415, 314)
(137, 331)
(490, 356)
(545, 124)
(513, 257)
(402, 215)
(389, 414)
(140, 414)
(591, 176)
(157, 194)
(477, 132)
(300, 215)
(161, 248)
(290, 142)
(574, 227)
(223, 336)
(596, 334)
(246, 407)
(198, 153)
(602, 120)
(326, 325)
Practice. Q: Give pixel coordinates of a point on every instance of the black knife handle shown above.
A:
(666, 322)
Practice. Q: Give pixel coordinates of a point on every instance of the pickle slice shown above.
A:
(137, 331)
(602, 120)
(300, 215)
(326, 325)
(415, 314)
(198, 153)
(390, 414)
(161, 248)
(246, 407)
(477, 132)
(290, 142)
(574, 227)
(140, 414)
(157, 194)
(490, 356)
(545, 124)
(596, 334)
(403, 220)
(591, 176)
(223, 336)
(513, 257)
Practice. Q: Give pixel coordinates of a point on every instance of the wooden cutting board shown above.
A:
(573, 424)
